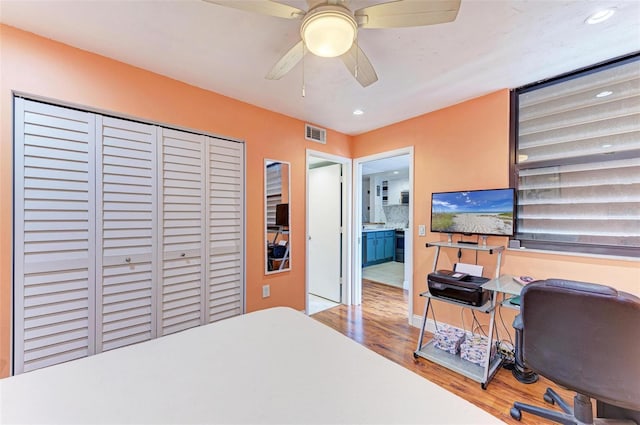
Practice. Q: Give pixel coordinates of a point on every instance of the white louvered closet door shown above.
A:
(226, 229)
(182, 222)
(126, 232)
(54, 239)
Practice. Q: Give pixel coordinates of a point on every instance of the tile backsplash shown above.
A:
(396, 215)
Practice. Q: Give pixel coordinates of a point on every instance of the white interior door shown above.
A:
(324, 231)
(225, 247)
(182, 229)
(126, 232)
(54, 248)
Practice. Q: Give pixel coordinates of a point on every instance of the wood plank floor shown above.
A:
(380, 324)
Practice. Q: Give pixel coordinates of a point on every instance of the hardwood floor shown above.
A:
(380, 324)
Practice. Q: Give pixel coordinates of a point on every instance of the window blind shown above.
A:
(578, 161)
(273, 191)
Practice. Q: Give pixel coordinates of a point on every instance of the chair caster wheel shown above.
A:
(548, 399)
(483, 386)
(515, 413)
(415, 355)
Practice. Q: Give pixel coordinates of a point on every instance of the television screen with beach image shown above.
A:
(477, 212)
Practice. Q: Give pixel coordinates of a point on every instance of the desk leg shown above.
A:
(424, 324)
(490, 343)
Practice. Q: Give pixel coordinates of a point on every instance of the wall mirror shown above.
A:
(276, 205)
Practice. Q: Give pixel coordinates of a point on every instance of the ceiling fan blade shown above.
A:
(407, 13)
(264, 7)
(355, 58)
(287, 62)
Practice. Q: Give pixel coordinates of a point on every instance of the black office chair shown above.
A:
(584, 337)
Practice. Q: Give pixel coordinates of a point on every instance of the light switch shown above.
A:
(422, 230)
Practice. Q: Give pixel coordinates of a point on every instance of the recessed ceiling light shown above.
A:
(600, 16)
(607, 145)
(604, 93)
(358, 112)
(396, 172)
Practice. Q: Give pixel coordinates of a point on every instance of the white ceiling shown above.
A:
(490, 46)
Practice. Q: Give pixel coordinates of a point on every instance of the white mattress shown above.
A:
(274, 366)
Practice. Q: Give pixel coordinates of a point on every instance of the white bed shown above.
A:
(274, 366)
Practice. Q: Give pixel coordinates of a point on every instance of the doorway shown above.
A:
(383, 217)
(328, 241)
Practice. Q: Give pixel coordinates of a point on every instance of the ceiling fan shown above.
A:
(329, 28)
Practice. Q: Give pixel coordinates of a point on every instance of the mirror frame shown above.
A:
(274, 236)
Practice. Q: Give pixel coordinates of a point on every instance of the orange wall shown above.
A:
(466, 146)
(34, 65)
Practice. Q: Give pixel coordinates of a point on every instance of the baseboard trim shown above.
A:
(416, 321)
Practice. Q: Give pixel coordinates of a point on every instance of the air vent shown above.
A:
(315, 134)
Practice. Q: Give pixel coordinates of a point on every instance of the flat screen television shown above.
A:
(474, 212)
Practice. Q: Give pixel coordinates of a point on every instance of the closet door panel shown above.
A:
(182, 228)
(54, 235)
(124, 231)
(127, 232)
(225, 223)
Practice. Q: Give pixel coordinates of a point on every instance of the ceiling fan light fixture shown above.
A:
(328, 33)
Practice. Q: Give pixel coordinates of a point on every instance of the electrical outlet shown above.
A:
(266, 291)
(422, 230)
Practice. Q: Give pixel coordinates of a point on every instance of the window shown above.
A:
(577, 161)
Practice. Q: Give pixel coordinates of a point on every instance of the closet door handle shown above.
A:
(128, 259)
(183, 255)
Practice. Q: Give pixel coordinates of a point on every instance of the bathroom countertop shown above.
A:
(376, 230)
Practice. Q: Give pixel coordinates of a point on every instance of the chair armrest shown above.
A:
(517, 323)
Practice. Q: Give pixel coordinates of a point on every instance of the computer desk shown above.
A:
(506, 286)
(509, 289)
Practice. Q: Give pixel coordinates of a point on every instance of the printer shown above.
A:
(459, 287)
